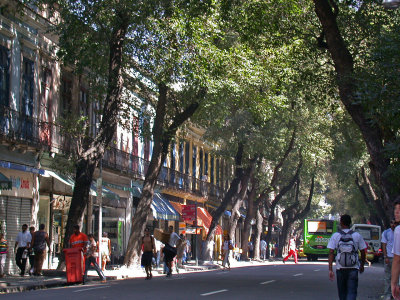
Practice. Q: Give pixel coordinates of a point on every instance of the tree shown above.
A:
(155, 54)
(374, 134)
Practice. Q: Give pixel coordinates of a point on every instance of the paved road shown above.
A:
(307, 280)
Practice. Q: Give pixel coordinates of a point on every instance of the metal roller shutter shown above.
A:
(17, 212)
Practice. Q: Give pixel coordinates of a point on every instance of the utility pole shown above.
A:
(100, 203)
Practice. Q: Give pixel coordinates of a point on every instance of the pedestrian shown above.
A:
(170, 250)
(276, 249)
(396, 253)
(149, 250)
(31, 253)
(105, 250)
(387, 247)
(346, 243)
(227, 247)
(271, 249)
(91, 256)
(180, 251)
(292, 250)
(250, 248)
(21, 247)
(188, 251)
(78, 239)
(39, 240)
(3, 254)
(263, 249)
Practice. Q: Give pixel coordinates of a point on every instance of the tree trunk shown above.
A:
(274, 203)
(374, 218)
(95, 150)
(257, 234)
(247, 221)
(162, 137)
(229, 196)
(347, 85)
(376, 200)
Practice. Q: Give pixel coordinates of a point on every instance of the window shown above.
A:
(212, 169)
(201, 163)
(217, 171)
(146, 141)
(187, 148)
(45, 107)
(320, 227)
(135, 135)
(181, 145)
(95, 121)
(205, 163)
(27, 98)
(4, 76)
(83, 102)
(66, 96)
(27, 87)
(194, 157)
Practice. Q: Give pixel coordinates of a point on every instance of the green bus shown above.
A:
(317, 233)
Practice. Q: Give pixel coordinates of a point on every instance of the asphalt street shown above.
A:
(306, 280)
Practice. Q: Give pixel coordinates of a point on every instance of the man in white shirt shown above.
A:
(263, 248)
(396, 254)
(387, 247)
(170, 249)
(292, 250)
(347, 263)
(22, 243)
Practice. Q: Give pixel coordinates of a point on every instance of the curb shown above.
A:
(30, 287)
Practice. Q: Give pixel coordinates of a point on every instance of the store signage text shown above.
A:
(20, 183)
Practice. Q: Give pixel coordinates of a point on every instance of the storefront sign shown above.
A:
(189, 213)
(20, 183)
(191, 230)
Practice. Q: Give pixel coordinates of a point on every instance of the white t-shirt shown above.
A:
(173, 239)
(396, 241)
(292, 244)
(359, 244)
(226, 245)
(23, 238)
(263, 244)
(387, 238)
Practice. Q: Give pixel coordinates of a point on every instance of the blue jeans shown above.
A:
(347, 283)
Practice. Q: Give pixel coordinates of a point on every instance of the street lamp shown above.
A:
(391, 4)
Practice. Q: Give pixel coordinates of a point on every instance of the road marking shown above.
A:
(316, 270)
(93, 288)
(266, 282)
(298, 274)
(212, 293)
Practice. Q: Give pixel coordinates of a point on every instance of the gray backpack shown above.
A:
(346, 251)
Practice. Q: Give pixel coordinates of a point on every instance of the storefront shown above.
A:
(16, 196)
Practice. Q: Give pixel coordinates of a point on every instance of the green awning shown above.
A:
(5, 183)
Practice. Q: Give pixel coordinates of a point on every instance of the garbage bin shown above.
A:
(74, 265)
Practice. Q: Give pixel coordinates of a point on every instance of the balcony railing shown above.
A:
(23, 129)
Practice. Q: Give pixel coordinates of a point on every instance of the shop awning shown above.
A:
(5, 183)
(204, 218)
(65, 180)
(109, 198)
(161, 207)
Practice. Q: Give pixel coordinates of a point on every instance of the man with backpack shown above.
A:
(346, 243)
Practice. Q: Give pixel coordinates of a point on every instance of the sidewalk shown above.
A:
(54, 278)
